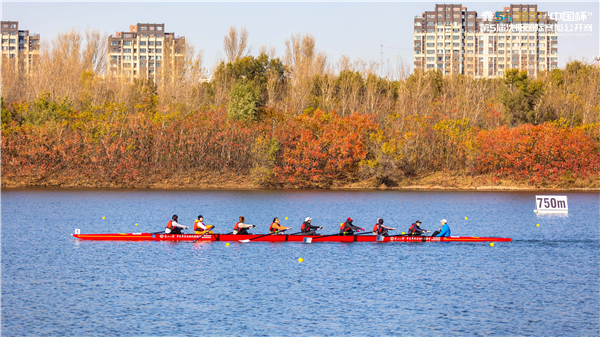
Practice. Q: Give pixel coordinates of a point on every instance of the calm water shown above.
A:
(545, 282)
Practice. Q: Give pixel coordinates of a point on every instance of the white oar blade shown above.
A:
(244, 241)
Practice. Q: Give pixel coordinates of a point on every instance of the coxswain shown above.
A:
(277, 228)
(173, 227)
(347, 228)
(444, 230)
(201, 228)
(380, 229)
(242, 228)
(307, 228)
(415, 229)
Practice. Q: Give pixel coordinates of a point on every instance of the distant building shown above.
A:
(454, 40)
(145, 51)
(19, 46)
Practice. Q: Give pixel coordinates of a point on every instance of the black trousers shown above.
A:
(384, 232)
(313, 232)
(435, 233)
(176, 230)
(243, 231)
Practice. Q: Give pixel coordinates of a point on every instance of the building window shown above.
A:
(150, 71)
(114, 43)
(143, 28)
(418, 24)
(12, 48)
(159, 57)
(127, 43)
(151, 27)
(151, 43)
(158, 28)
(12, 41)
(151, 50)
(157, 64)
(159, 51)
(470, 37)
(142, 50)
(142, 57)
(113, 57)
(158, 43)
(142, 43)
(127, 50)
(127, 57)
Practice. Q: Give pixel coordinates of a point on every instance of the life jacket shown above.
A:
(236, 227)
(196, 227)
(377, 229)
(271, 229)
(305, 227)
(412, 228)
(170, 225)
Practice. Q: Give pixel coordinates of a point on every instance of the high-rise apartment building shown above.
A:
(454, 40)
(19, 46)
(144, 51)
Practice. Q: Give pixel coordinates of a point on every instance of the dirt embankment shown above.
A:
(231, 181)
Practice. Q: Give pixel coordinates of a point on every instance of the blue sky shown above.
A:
(355, 29)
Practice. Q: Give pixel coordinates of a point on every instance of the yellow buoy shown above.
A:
(286, 217)
(403, 233)
(466, 218)
(492, 244)
(103, 217)
(538, 225)
(227, 244)
(300, 260)
(136, 224)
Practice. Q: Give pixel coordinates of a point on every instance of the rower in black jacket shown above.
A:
(307, 228)
(347, 228)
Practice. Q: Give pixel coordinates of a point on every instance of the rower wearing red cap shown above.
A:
(347, 228)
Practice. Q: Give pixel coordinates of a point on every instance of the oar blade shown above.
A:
(244, 241)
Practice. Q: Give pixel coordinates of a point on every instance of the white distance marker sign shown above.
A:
(551, 204)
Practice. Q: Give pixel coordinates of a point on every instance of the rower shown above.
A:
(307, 228)
(444, 230)
(201, 228)
(415, 229)
(242, 228)
(380, 229)
(347, 228)
(173, 227)
(276, 228)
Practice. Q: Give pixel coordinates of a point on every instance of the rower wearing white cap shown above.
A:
(444, 230)
(307, 228)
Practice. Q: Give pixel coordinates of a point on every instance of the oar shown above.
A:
(262, 236)
(201, 235)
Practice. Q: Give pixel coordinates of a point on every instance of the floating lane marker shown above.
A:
(492, 244)
(300, 260)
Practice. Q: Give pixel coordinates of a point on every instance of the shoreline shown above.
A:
(228, 181)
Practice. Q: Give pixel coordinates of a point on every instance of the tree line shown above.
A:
(300, 120)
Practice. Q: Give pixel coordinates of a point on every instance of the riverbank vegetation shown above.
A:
(296, 121)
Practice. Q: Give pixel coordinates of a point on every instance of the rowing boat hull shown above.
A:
(277, 238)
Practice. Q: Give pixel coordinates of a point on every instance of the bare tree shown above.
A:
(235, 44)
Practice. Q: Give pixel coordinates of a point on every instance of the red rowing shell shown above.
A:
(278, 238)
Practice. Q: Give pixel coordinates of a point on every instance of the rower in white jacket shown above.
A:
(242, 228)
(173, 227)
